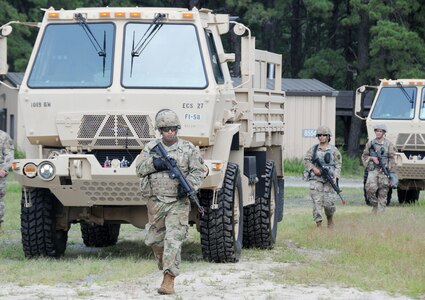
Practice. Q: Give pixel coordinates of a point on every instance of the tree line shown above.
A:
(344, 44)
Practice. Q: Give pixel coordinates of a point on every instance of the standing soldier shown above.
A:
(6, 158)
(321, 191)
(168, 206)
(377, 183)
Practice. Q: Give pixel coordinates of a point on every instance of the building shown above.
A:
(9, 88)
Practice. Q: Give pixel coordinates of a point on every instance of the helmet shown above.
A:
(165, 118)
(380, 126)
(323, 130)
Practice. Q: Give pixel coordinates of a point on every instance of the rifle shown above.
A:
(175, 173)
(328, 177)
(381, 164)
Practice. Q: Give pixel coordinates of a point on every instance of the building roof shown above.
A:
(345, 100)
(299, 87)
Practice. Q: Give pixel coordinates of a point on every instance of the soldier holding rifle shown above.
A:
(378, 157)
(168, 204)
(322, 191)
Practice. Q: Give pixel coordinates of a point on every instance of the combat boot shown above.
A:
(167, 286)
(330, 222)
(319, 224)
(158, 252)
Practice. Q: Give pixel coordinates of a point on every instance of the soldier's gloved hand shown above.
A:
(180, 192)
(159, 164)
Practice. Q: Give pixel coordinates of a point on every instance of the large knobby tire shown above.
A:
(100, 235)
(390, 191)
(260, 219)
(38, 225)
(407, 196)
(221, 227)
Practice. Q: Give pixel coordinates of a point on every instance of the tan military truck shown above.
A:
(400, 105)
(87, 103)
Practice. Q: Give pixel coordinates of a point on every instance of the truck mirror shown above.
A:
(239, 29)
(6, 30)
(358, 103)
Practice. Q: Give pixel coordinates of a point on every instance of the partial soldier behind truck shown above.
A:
(168, 206)
(321, 191)
(6, 158)
(378, 183)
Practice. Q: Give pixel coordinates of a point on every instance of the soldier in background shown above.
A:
(377, 183)
(168, 206)
(321, 191)
(6, 158)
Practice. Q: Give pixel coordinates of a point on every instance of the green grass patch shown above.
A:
(364, 251)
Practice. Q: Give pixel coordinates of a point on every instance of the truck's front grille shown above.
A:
(103, 191)
(410, 141)
(115, 130)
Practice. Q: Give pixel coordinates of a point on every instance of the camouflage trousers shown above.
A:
(377, 187)
(323, 196)
(167, 228)
(2, 194)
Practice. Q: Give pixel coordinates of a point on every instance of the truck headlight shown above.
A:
(46, 171)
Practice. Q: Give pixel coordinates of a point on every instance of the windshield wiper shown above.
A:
(410, 99)
(147, 37)
(100, 51)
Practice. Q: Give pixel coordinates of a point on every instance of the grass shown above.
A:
(364, 251)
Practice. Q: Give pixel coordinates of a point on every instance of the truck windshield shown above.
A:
(67, 57)
(170, 57)
(395, 103)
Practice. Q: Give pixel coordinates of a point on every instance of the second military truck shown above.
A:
(400, 105)
(87, 103)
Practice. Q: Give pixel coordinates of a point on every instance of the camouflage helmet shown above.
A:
(323, 130)
(166, 118)
(380, 126)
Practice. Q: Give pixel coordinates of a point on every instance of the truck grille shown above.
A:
(111, 192)
(115, 130)
(410, 141)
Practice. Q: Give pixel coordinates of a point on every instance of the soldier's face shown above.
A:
(169, 134)
(323, 138)
(379, 133)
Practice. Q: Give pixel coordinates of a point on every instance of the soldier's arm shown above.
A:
(8, 153)
(338, 163)
(308, 163)
(365, 154)
(145, 166)
(196, 168)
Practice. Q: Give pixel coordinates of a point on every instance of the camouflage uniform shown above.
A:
(169, 215)
(6, 158)
(377, 184)
(321, 192)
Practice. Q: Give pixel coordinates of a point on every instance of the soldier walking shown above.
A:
(168, 206)
(321, 191)
(377, 183)
(6, 158)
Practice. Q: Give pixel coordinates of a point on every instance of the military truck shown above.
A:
(87, 103)
(400, 105)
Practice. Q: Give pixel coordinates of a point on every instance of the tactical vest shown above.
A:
(326, 157)
(380, 150)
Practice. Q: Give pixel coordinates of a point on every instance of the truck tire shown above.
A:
(100, 235)
(221, 227)
(389, 195)
(260, 219)
(38, 225)
(407, 196)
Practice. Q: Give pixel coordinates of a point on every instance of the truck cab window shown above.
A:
(395, 103)
(170, 57)
(218, 73)
(66, 57)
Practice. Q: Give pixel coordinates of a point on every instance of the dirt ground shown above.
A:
(247, 279)
(221, 281)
